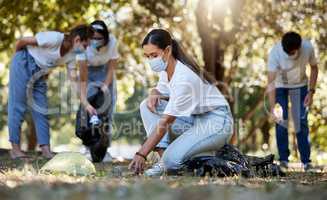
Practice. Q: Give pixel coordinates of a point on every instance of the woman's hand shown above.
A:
(152, 102)
(104, 88)
(137, 164)
(90, 109)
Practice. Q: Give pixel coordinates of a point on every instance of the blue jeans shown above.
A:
(189, 136)
(22, 70)
(300, 118)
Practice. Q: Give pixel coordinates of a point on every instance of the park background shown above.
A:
(230, 38)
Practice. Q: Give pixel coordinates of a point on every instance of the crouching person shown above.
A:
(195, 118)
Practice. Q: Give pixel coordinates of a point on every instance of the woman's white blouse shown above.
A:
(104, 54)
(188, 93)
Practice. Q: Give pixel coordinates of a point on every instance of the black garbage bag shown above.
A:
(229, 161)
(214, 166)
(94, 136)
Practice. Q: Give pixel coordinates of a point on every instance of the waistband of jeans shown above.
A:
(222, 107)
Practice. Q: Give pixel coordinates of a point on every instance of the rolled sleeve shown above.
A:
(48, 39)
(113, 48)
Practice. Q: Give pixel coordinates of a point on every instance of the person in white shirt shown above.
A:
(185, 114)
(34, 57)
(102, 57)
(287, 64)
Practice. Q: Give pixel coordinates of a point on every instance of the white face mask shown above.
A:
(157, 64)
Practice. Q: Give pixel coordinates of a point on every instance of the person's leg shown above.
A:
(151, 120)
(281, 128)
(299, 114)
(211, 131)
(40, 118)
(18, 78)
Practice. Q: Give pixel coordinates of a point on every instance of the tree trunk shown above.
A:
(214, 42)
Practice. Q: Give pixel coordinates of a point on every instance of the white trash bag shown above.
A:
(69, 163)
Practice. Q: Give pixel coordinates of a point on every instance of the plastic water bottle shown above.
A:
(95, 120)
(278, 112)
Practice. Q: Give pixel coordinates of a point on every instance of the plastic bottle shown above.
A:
(94, 120)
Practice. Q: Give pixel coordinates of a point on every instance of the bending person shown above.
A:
(33, 55)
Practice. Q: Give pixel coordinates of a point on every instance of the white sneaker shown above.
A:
(157, 169)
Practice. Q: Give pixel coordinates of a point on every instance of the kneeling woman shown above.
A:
(196, 115)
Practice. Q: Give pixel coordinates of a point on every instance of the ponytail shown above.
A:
(180, 55)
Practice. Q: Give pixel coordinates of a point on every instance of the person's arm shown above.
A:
(271, 90)
(312, 85)
(313, 76)
(83, 87)
(138, 162)
(153, 99)
(23, 42)
(273, 68)
(112, 64)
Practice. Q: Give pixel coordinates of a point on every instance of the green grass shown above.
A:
(22, 180)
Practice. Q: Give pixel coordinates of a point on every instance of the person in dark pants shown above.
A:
(287, 79)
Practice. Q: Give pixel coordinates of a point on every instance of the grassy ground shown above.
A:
(22, 180)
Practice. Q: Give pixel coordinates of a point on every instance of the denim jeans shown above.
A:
(299, 114)
(22, 70)
(189, 136)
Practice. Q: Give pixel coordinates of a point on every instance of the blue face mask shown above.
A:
(157, 64)
(78, 49)
(96, 43)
